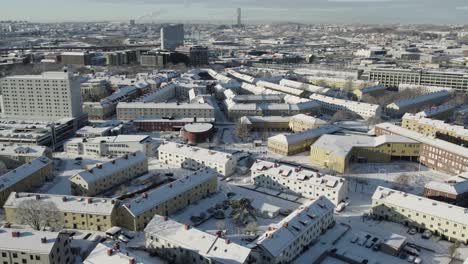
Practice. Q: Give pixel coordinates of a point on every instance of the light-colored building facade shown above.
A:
(196, 158)
(76, 212)
(441, 218)
(104, 176)
(331, 104)
(49, 96)
(265, 123)
(95, 89)
(406, 105)
(300, 181)
(138, 110)
(13, 155)
(301, 122)
(167, 199)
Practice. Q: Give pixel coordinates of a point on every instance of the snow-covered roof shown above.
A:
(45, 75)
(99, 255)
(264, 119)
(421, 204)
(401, 104)
(281, 88)
(374, 88)
(343, 103)
(218, 249)
(27, 241)
(172, 105)
(20, 150)
(195, 152)
(287, 231)
(22, 172)
(308, 119)
(304, 135)
(304, 86)
(109, 169)
(433, 111)
(441, 125)
(168, 191)
(453, 187)
(66, 203)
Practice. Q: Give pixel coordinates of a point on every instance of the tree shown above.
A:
(343, 116)
(402, 182)
(252, 227)
(38, 214)
(242, 130)
(373, 121)
(242, 211)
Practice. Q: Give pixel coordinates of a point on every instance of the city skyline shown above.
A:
(263, 11)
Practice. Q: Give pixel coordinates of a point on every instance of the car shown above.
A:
(417, 260)
(228, 179)
(78, 158)
(412, 231)
(372, 242)
(123, 238)
(411, 250)
(426, 234)
(376, 247)
(354, 239)
(411, 259)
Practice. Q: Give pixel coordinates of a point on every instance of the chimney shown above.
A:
(145, 195)
(16, 195)
(90, 200)
(15, 234)
(64, 198)
(112, 201)
(131, 261)
(187, 227)
(91, 171)
(126, 156)
(166, 218)
(109, 252)
(285, 224)
(38, 197)
(113, 162)
(43, 240)
(227, 241)
(134, 154)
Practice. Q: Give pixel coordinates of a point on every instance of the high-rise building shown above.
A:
(49, 96)
(239, 17)
(172, 36)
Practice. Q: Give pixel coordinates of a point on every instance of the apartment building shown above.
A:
(299, 181)
(407, 105)
(14, 155)
(139, 110)
(395, 77)
(76, 212)
(135, 214)
(25, 177)
(298, 142)
(442, 219)
(440, 112)
(331, 105)
(195, 158)
(436, 128)
(34, 247)
(265, 123)
(104, 176)
(283, 242)
(112, 146)
(301, 122)
(103, 254)
(49, 96)
(436, 154)
(181, 243)
(304, 86)
(375, 90)
(452, 191)
(95, 89)
(338, 152)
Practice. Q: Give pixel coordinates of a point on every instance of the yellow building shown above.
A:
(442, 219)
(76, 212)
(297, 142)
(25, 177)
(372, 90)
(102, 177)
(301, 122)
(167, 199)
(337, 152)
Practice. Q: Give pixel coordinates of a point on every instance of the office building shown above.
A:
(172, 36)
(195, 158)
(197, 55)
(49, 96)
(76, 58)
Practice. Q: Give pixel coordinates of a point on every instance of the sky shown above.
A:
(254, 11)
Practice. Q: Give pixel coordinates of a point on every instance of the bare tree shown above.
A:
(452, 251)
(38, 214)
(402, 182)
(241, 130)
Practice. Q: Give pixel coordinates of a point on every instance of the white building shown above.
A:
(195, 158)
(103, 254)
(300, 181)
(288, 239)
(332, 104)
(304, 86)
(49, 96)
(139, 110)
(113, 146)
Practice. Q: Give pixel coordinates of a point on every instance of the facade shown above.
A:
(49, 96)
(436, 154)
(34, 247)
(197, 55)
(441, 218)
(135, 214)
(436, 128)
(338, 152)
(76, 212)
(453, 191)
(138, 110)
(111, 146)
(13, 155)
(104, 176)
(301, 122)
(167, 124)
(265, 123)
(76, 58)
(181, 243)
(283, 242)
(298, 142)
(25, 177)
(412, 104)
(331, 104)
(299, 181)
(395, 77)
(94, 89)
(197, 132)
(172, 36)
(195, 158)
(372, 91)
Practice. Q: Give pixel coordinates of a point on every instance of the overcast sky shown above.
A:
(307, 11)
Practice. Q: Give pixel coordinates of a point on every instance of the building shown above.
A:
(181, 243)
(135, 214)
(332, 105)
(298, 142)
(301, 122)
(95, 89)
(265, 123)
(452, 191)
(197, 55)
(338, 152)
(168, 124)
(111, 146)
(436, 154)
(104, 176)
(283, 242)
(139, 110)
(407, 105)
(34, 247)
(76, 212)
(172, 36)
(25, 177)
(195, 158)
(372, 91)
(49, 96)
(299, 181)
(197, 132)
(440, 112)
(304, 86)
(446, 220)
(436, 129)
(13, 155)
(77, 58)
(155, 58)
(395, 77)
(103, 254)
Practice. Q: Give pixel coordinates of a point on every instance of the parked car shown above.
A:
(418, 260)
(411, 259)
(412, 231)
(426, 234)
(372, 242)
(411, 250)
(376, 247)
(123, 238)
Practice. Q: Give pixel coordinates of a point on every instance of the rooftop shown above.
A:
(22, 172)
(304, 135)
(27, 241)
(99, 255)
(195, 152)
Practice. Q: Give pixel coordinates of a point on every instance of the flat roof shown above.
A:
(195, 152)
